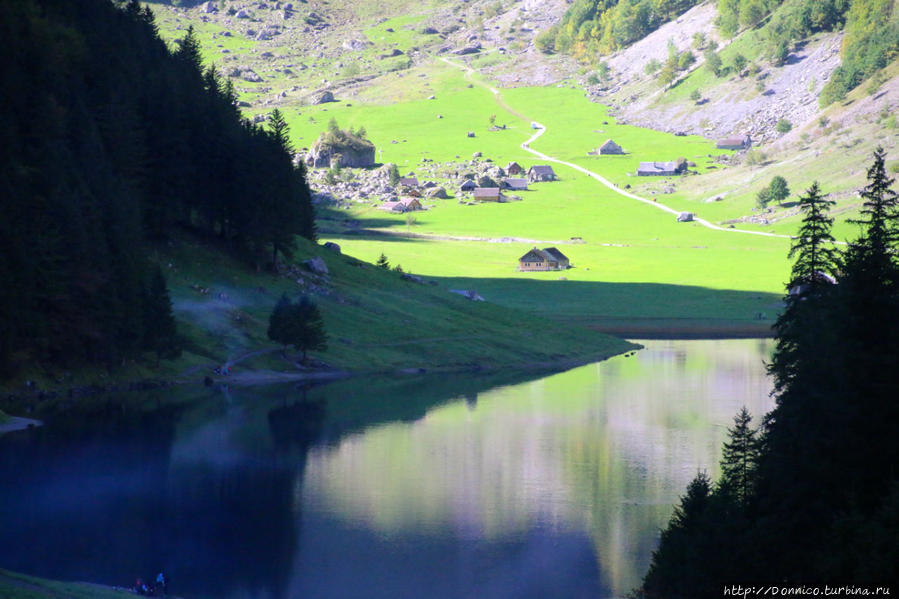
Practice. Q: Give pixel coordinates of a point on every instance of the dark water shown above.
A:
(416, 487)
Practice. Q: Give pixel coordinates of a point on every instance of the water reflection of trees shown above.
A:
(105, 496)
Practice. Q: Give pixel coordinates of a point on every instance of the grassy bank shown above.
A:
(19, 586)
(376, 320)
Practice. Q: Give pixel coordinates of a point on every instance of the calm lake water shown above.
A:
(415, 487)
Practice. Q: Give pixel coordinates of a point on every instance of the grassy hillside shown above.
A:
(635, 268)
(19, 586)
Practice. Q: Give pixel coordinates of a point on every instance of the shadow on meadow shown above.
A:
(633, 309)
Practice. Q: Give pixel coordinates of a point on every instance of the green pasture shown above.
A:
(376, 320)
(624, 242)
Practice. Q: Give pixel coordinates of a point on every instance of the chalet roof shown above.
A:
(409, 181)
(486, 192)
(513, 164)
(544, 255)
(609, 145)
(541, 169)
(555, 253)
(535, 255)
(406, 202)
(397, 206)
(516, 183)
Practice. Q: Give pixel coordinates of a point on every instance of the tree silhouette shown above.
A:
(299, 324)
(740, 458)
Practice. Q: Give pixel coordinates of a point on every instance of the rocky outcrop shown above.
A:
(325, 154)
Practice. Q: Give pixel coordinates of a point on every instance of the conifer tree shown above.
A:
(299, 324)
(160, 332)
(382, 262)
(813, 246)
(280, 131)
(740, 458)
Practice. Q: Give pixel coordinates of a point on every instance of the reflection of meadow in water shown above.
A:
(603, 450)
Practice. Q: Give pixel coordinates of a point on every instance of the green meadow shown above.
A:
(632, 263)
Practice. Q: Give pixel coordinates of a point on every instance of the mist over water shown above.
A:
(411, 487)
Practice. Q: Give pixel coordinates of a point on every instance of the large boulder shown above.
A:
(356, 155)
(209, 7)
(324, 98)
(485, 181)
(316, 265)
(242, 14)
(685, 217)
(436, 192)
(356, 45)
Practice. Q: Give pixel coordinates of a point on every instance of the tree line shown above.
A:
(111, 142)
(811, 495)
(591, 28)
(871, 39)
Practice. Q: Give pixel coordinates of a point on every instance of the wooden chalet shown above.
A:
(515, 184)
(610, 147)
(402, 205)
(513, 168)
(735, 143)
(545, 259)
(673, 167)
(487, 194)
(541, 172)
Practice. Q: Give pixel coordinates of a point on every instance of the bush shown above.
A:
(652, 66)
(546, 41)
(593, 79)
(783, 126)
(713, 62)
(603, 71)
(739, 62)
(685, 60)
(698, 40)
(695, 95)
(755, 157)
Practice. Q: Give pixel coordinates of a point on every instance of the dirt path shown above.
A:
(541, 129)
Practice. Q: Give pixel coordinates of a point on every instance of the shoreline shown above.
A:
(18, 423)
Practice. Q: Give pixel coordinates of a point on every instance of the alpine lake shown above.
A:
(496, 485)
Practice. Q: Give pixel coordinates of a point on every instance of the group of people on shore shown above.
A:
(158, 589)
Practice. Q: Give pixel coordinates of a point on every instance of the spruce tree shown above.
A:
(740, 458)
(299, 324)
(280, 131)
(382, 262)
(160, 332)
(277, 321)
(310, 327)
(816, 256)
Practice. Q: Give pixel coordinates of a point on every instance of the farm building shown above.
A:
(735, 143)
(515, 184)
(403, 205)
(610, 147)
(541, 172)
(487, 194)
(513, 168)
(409, 181)
(468, 185)
(673, 167)
(545, 259)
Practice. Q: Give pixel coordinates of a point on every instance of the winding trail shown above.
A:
(541, 129)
